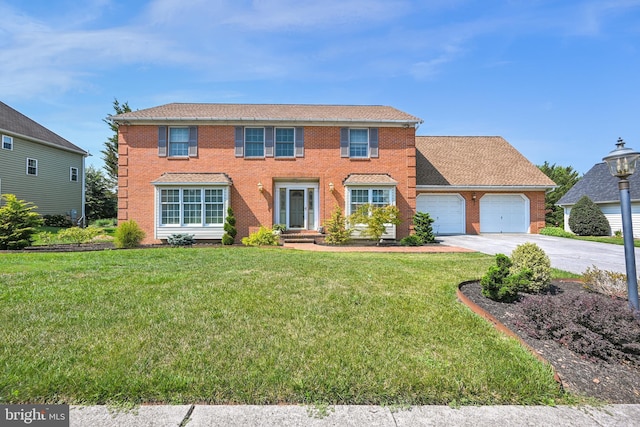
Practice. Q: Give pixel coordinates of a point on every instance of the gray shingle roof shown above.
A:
(17, 123)
(193, 178)
(270, 112)
(369, 179)
(474, 161)
(600, 186)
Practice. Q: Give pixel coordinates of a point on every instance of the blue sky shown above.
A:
(560, 80)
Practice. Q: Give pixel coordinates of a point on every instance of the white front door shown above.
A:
(297, 205)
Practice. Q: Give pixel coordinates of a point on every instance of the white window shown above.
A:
(191, 206)
(7, 142)
(254, 142)
(378, 197)
(285, 142)
(73, 174)
(179, 142)
(359, 143)
(32, 167)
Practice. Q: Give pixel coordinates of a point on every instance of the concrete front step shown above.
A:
(301, 237)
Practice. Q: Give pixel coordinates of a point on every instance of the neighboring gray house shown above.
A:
(40, 167)
(602, 189)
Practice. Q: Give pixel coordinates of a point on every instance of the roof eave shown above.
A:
(485, 187)
(43, 142)
(238, 120)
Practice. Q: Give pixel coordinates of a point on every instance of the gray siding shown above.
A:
(51, 190)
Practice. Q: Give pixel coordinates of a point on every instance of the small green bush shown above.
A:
(176, 240)
(128, 235)
(375, 219)
(56, 221)
(496, 284)
(337, 232)
(105, 222)
(79, 235)
(18, 223)
(422, 226)
(586, 219)
(412, 240)
(263, 237)
(529, 256)
(230, 231)
(556, 232)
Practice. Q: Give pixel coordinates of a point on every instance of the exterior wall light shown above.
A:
(332, 187)
(260, 187)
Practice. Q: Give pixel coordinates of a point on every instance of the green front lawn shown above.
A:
(254, 326)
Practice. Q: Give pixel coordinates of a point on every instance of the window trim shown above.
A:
(9, 139)
(170, 143)
(71, 174)
(370, 189)
(368, 143)
(246, 128)
(292, 143)
(34, 167)
(181, 204)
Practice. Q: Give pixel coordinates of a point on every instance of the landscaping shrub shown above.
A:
(499, 284)
(337, 232)
(412, 240)
(79, 235)
(556, 232)
(529, 256)
(592, 325)
(56, 221)
(375, 219)
(176, 240)
(422, 226)
(230, 230)
(18, 223)
(586, 219)
(606, 282)
(105, 222)
(263, 237)
(128, 235)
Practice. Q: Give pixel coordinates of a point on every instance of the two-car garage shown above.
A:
(499, 213)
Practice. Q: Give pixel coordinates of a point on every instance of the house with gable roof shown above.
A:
(602, 188)
(41, 167)
(182, 165)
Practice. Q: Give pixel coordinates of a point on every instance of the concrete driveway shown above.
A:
(565, 254)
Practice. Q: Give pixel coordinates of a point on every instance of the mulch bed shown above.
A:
(608, 381)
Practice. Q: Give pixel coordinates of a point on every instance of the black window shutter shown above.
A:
(162, 141)
(193, 141)
(344, 142)
(299, 142)
(373, 142)
(268, 141)
(239, 141)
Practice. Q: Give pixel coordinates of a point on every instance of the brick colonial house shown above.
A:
(182, 165)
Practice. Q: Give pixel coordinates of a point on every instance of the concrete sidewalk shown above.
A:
(355, 416)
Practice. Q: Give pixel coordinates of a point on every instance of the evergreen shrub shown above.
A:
(586, 219)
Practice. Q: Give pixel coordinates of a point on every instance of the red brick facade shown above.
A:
(322, 164)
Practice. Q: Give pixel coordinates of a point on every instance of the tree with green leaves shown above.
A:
(18, 223)
(565, 177)
(375, 219)
(101, 201)
(110, 152)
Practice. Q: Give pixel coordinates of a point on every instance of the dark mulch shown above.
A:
(612, 382)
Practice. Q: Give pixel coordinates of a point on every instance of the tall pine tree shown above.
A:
(110, 152)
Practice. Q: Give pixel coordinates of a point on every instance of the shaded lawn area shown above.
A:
(254, 326)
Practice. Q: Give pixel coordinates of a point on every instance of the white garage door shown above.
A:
(447, 210)
(504, 213)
